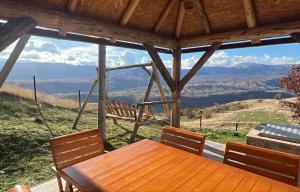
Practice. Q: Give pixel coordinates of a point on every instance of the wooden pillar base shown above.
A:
(175, 120)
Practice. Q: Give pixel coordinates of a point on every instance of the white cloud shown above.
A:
(221, 58)
(39, 50)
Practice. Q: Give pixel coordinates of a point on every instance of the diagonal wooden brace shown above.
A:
(199, 64)
(14, 29)
(13, 58)
(159, 65)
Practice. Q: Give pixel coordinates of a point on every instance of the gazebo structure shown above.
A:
(159, 26)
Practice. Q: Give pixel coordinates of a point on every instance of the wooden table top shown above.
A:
(150, 166)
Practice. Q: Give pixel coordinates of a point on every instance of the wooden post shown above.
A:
(175, 116)
(201, 116)
(161, 90)
(34, 89)
(141, 112)
(102, 90)
(79, 99)
(13, 58)
(85, 103)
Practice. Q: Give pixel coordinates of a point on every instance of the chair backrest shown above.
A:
(77, 147)
(20, 188)
(269, 163)
(182, 139)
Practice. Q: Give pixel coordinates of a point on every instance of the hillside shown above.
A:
(24, 140)
(248, 114)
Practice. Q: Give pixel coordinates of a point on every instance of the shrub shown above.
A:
(291, 83)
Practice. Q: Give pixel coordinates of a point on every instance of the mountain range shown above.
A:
(242, 81)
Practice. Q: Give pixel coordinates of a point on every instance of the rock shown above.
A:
(38, 121)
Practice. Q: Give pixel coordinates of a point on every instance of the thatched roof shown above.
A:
(204, 22)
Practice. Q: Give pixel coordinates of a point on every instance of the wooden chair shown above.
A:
(74, 148)
(269, 163)
(182, 139)
(20, 188)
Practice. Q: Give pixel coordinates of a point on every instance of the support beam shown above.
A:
(238, 45)
(296, 37)
(72, 5)
(129, 11)
(199, 64)
(161, 90)
(129, 66)
(14, 29)
(91, 90)
(159, 64)
(203, 16)
(164, 15)
(250, 13)
(81, 25)
(260, 32)
(180, 18)
(142, 109)
(89, 39)
(13, 58)
(102, 91)
(175, 115)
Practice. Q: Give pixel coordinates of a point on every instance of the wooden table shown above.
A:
(151, 166)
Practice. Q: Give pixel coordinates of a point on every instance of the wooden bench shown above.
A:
(182, 139)
(269, 163)
(74, 148)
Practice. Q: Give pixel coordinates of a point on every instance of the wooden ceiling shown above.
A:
(167, 23)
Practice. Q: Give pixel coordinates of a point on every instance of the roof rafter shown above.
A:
(82, 25)
(180, 18)
(250, 17)
(164, 15)
(72, 5)
(259, 32)
(203, 16)
(250, 14)
(129, 11)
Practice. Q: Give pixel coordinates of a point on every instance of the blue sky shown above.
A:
(61, 51)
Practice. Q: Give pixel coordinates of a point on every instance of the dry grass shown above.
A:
(254, 112)
(44, 98)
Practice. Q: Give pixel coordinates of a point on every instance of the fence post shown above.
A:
(34, 89)
(236, 126)
(79, 99)
(201, 119)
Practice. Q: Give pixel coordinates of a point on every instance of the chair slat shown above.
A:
(76, 144)
(73, 137)
(20, 188)
(78, 152)
(263, 173)
(262, 152)
(273, 164)
(184, 133)
(78, 160)
(263, 163)
(182, 139)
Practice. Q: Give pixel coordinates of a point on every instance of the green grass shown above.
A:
(222, 136)
(260, 116)
(24, 142)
